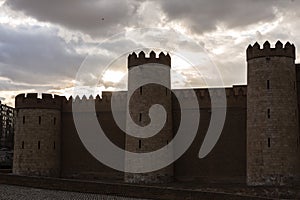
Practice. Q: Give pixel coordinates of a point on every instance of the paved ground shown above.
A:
(8, 192)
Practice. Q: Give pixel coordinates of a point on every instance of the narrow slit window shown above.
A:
(269, 142)
(39, 145)
(140, 117)
(269, 114)
(54, 120)
(141, 90)
(268, 84)
(40, 120)
(140, 144)
(23, 145)
(23, 119)
(53, 145)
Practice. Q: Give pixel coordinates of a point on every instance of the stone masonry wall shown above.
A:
(37, 142)
(272, 117)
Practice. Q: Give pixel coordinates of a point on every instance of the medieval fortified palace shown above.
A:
(259, 144)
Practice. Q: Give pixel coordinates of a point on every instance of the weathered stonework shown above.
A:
(139, 104)
(272, 115)
(37, 146)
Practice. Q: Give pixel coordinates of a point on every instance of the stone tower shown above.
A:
(37, 135)
(139, 104)
(272, 115)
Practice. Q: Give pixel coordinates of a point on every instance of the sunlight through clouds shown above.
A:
(41, 48)
(111, 76)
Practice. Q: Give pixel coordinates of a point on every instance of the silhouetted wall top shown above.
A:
(140, 59)
(256, 52)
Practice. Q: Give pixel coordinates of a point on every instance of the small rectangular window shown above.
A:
(40, 120)
(23, 119)
(39, 145)
(268, 84)
(269, 142)
(269, 114)
(141, 90)
(140, 144)
(53, 145)
(54, 120)
(23, 145)
(140, 117)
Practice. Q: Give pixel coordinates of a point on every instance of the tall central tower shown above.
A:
(272, 115)
(139, 104)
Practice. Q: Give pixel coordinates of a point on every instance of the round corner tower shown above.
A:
(37, 135)
(139, 103)
(272, 115)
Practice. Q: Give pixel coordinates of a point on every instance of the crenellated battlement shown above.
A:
(255, 51)
(140, 59)
(102, 103)
(235, 91)
(31, 101)
(235, 96)
(106, 97)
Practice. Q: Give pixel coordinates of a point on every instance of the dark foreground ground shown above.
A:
(51, 188)
(8, 192)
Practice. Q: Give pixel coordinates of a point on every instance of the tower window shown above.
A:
(269, 142)
(140, 117)
(39, 145)
(40, 120)
(23, 145)
(141, 90)
(269, 114)
(53, 145)
(23, 119)
(140, 144)
(268, 84)
(54, 120)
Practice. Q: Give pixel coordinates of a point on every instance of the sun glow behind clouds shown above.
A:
(111, 76)
(224, 45)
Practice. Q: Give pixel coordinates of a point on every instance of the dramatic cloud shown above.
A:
(36, 55)
(94, 17)
(106, 17)
(43, 43)
(203, 16)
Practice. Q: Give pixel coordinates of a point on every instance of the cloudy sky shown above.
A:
(43, 44)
